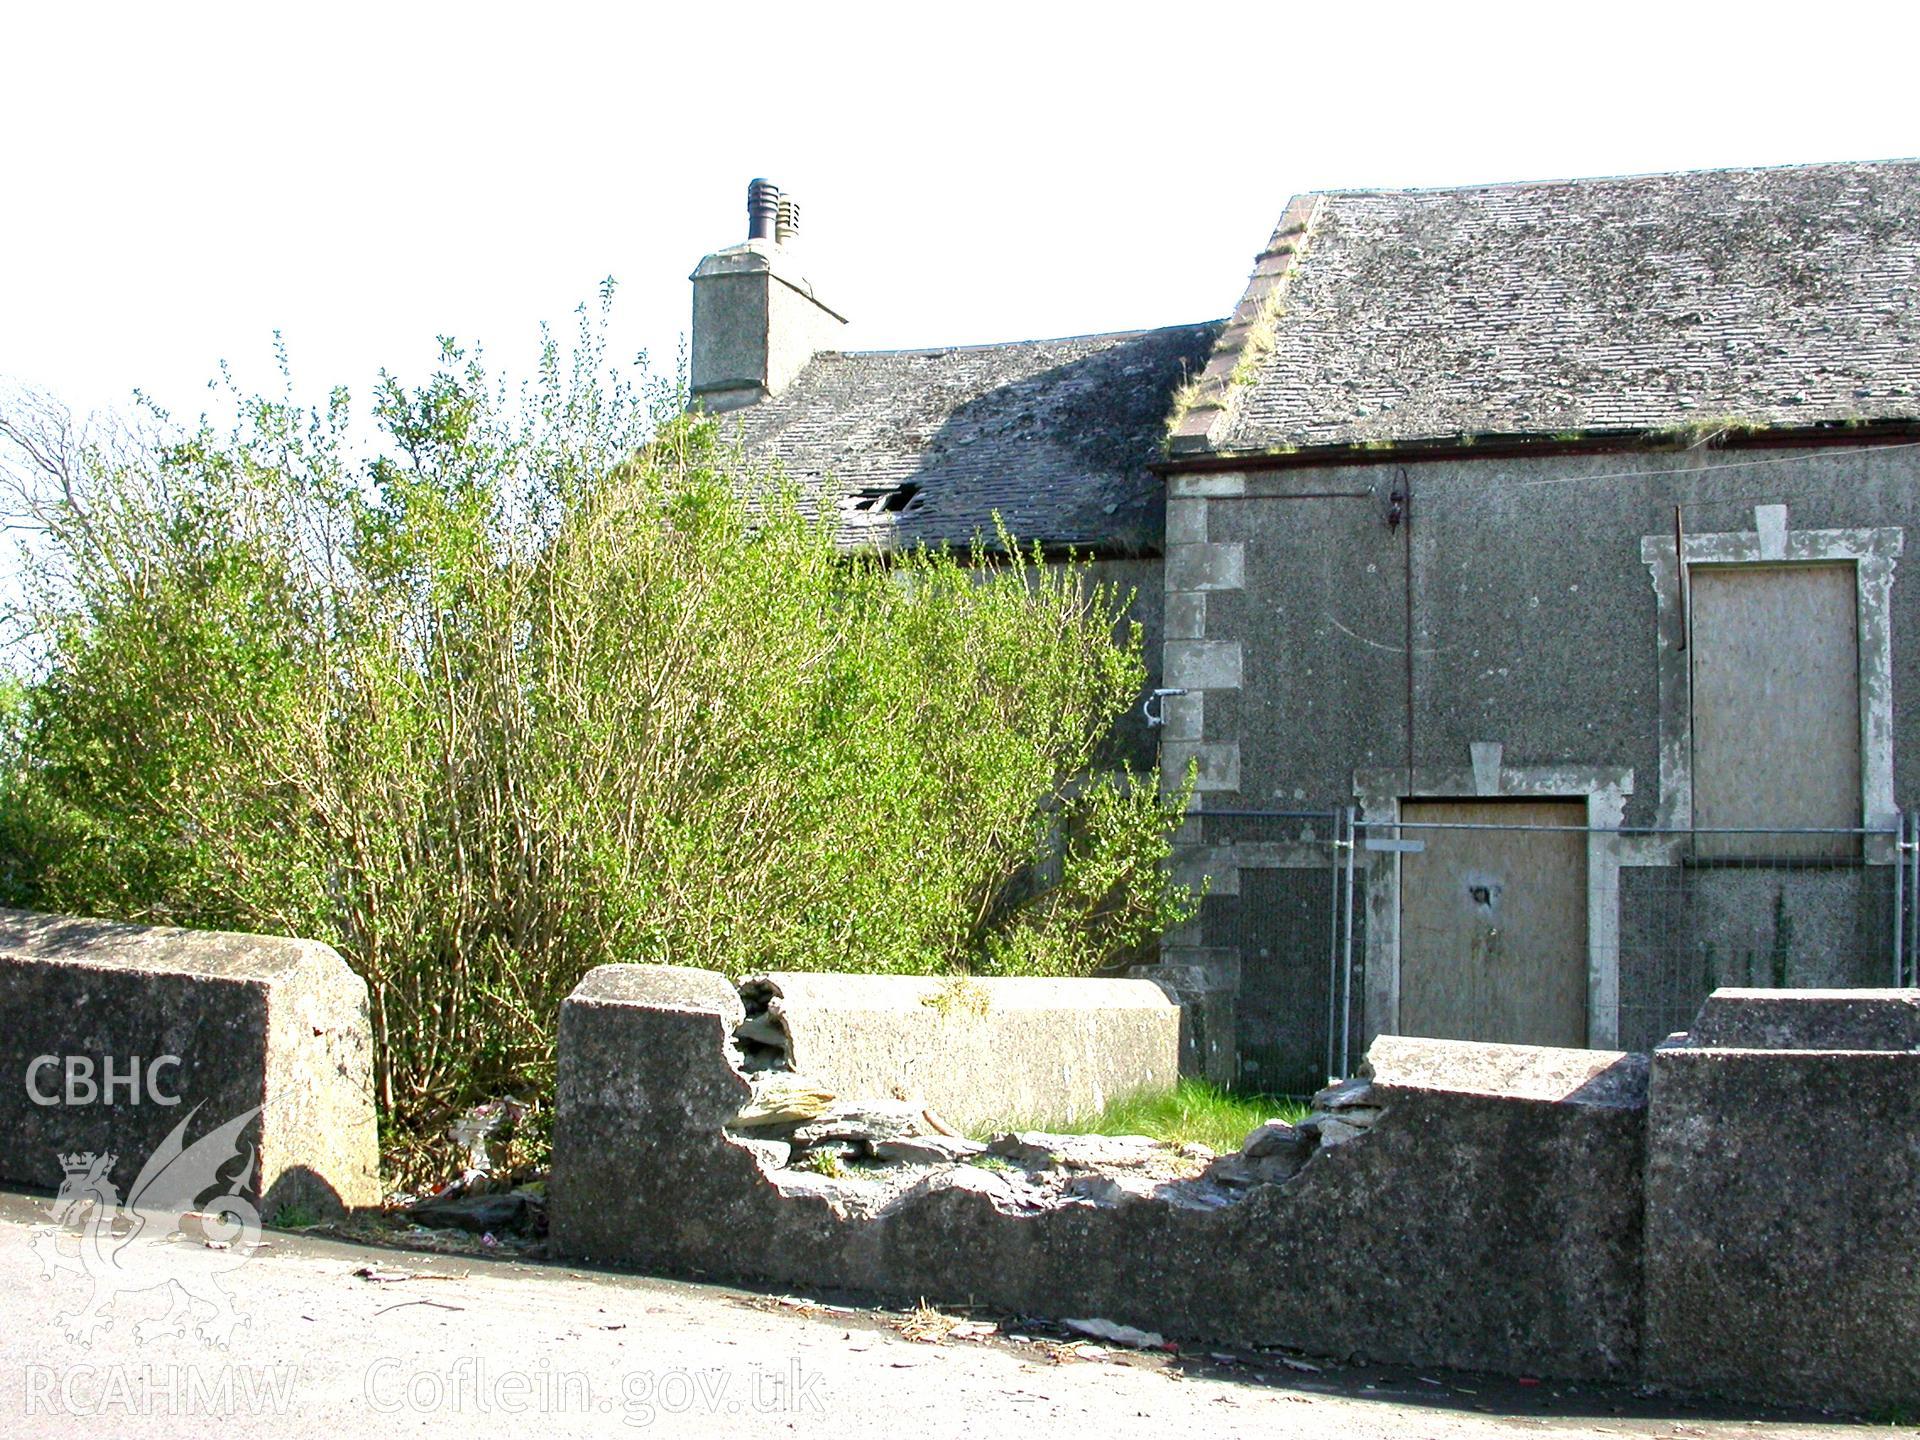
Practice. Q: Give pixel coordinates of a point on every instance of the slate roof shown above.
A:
(1053, 435)
(1785, 297)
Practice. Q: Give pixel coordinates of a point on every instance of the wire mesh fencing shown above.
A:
(1294, 915)
(1760, 909)
(1533, 933)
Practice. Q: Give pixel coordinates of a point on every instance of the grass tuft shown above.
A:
(1193, 1111)
(294, 1217)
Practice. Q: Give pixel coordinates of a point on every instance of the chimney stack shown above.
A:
(756, 320)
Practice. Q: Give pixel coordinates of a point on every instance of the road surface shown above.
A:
(344, 1339)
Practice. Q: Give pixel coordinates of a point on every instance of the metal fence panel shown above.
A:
(1677, 915)
(1297, 922)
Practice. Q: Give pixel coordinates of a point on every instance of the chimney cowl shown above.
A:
(786, 221)
(763, 207)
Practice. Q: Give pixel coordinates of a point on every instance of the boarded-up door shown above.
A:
(1493, 923)
(1776, 706)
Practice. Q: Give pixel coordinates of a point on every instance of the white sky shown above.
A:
(181, 180)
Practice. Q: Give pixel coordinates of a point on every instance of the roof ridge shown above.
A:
(1550, 181)
(932, 351)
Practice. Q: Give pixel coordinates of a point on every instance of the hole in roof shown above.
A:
(887, 500)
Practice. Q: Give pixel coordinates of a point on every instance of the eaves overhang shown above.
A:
(1509, 446)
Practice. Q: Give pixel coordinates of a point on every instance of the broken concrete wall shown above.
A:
(976, 1051)
(1783, 1200)
(1487, 1217)
(112, 1034)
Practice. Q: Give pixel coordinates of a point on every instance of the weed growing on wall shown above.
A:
(538, 680)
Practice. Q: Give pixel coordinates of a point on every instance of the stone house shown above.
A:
(1569, 514)
(1524, 557)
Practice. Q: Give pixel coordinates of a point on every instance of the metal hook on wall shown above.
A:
(1154, 708)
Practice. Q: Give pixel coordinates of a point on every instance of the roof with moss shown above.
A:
(1054, 437)
(1776, 297)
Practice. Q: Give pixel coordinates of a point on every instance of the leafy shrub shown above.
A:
(540, 680)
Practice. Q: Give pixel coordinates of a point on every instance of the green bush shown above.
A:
(542, 679)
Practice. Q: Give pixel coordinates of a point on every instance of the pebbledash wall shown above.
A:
(1731, 1215)
(1495, 627)
(114, 1037)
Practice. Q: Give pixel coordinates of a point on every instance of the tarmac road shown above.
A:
(459, 1345)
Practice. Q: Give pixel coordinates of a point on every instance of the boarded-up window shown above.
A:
(1776, 706)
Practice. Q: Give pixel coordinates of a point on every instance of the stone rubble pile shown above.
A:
(1277, 1151)
(790, 1118)
(762, 1039)
(792, 1122)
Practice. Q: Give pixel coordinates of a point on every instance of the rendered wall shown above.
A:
(242, 1022)
(1783, 1199)
(1507, 1208)
(1511, 606)
(977, 1051)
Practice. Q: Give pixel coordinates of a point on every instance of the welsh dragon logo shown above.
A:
(119, 1245)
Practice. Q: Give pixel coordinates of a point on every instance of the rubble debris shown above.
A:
(866, 1122)
(1119, 1334)
(522, 1210)
(1112, 1189)
(937, 1149)
(380, 1276)
(772, 1154)
(1276, 1151)
(763, 1030)
(764, 1042)
(1355, 1094)
(1043, 1150)
(927, 1325)
(1345, 1111)
(780, 1098)
(1335, 1131)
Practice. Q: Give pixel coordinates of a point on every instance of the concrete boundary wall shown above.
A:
(111, 1035)
(1783, 1200)
(1487, 1218)
(1011, 1050)
(1749, 1233)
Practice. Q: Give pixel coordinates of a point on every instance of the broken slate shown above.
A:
(1347, 1095)
(929, 1149)
(1118, 1334)
(1333, 1130)
(772, 1154)
(1278, 1140)
(1040, 1150)
(479, 1213)
(866, 1121)
(779, 1099)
